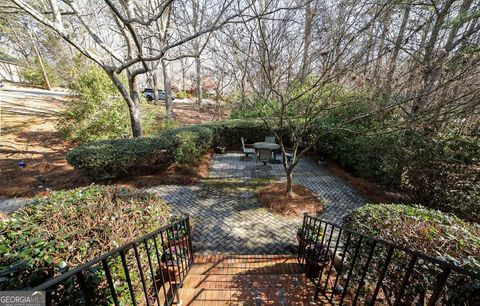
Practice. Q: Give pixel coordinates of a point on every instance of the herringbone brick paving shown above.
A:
(230, 220)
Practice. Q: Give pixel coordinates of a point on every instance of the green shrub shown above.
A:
(443, 172)
(99, 112)
(428, 231)
(69, 228)
(113, 158)
(228, 132)
(34, 75)
(374, 157)
(181, 95)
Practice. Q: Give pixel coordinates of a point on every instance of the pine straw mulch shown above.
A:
(302, 201)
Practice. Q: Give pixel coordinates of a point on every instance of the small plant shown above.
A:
(174, 255)
(312, 234)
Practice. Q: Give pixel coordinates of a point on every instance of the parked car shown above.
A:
(149, 95)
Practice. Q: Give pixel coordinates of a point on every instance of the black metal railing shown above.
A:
(147, 271)
(349, 268)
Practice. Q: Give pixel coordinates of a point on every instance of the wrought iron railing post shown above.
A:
(359, 265)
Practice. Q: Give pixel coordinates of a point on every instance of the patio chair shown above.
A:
(247, 151)
(289, 154)
(270, 139)
(264, 156)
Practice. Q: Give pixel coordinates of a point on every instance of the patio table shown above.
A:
(269, 146)
(266, 145)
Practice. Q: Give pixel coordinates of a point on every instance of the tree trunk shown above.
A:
(155, 86)
(40, 61)
(307, 39)
(132, 101)
(289, 185)
(431, 69)
(198, 67)
(168, 90)
(182, 61)
(381, 48)
(135, 113)
(396, 51)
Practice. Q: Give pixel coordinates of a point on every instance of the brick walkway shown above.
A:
(9, 205)
(230, 220)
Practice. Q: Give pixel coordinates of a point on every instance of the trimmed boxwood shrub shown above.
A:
(228, 132)
(101, 160)
(108, 159)
(432, 232)
(69, 228)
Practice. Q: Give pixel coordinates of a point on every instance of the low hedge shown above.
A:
(228, 132)
(432, 232)
(108, 159)
(69, 228)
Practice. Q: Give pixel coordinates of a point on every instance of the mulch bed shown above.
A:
(171, 175)
(374, 193)
(302, 201)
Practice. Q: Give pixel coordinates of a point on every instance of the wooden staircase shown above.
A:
(246, 280)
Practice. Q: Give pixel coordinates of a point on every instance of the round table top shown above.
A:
(266, 145)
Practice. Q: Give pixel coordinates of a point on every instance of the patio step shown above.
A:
(246, 280)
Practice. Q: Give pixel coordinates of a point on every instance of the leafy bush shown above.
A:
(99, 112)
(436, 170)
(228, 132)
(443, 172)
(374, 157)
(113, 158)
(428, 231)
(181, 95)
(34, 75)
(68, 228)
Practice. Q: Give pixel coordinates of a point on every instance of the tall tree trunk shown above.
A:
(431, 67)
(307, 39)
(132, 101)
(155, 86)
(381, 48)
(135, 113)
(289, 185)
(198, 67)
(168, 90)
(182, 61)
(396, 50)
(263, 49)
(40, 61)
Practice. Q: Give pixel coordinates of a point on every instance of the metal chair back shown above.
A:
(264, 155)
(270, 139)
(243, 143)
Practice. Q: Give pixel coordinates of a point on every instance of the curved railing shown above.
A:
(350, 268)
(146, 271)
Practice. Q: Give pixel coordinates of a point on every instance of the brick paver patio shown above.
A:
(230, 220)
(9, 205)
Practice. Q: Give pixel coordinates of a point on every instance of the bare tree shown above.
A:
(115, 38)
(286, 97)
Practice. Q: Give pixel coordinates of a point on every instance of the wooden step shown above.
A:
(246, 280)
(245, 264)
(260, 281)
(218, 297)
